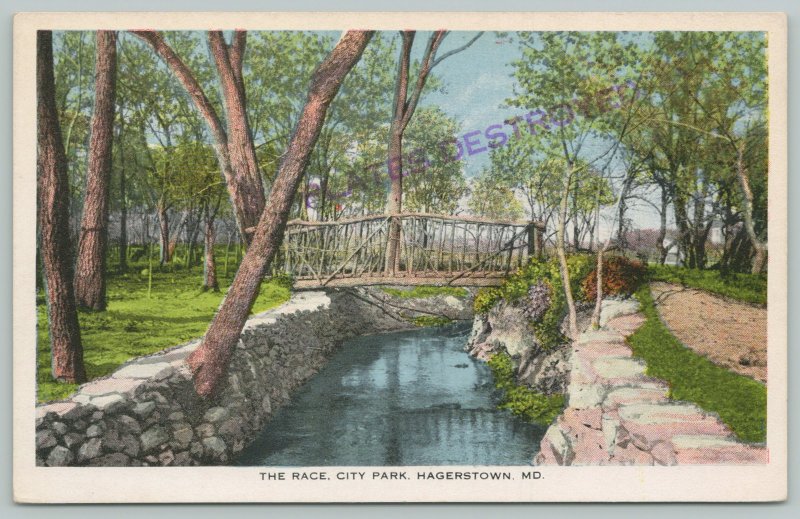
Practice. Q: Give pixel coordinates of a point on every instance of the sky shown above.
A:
(477, 83)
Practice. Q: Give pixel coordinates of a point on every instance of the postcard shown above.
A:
(400, 257)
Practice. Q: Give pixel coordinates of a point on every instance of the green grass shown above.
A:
(521, 400)
(750, 288)
(421, 292)
(741, 402)
(431, 320)
(134, 324)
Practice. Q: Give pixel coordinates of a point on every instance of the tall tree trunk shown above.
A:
(53, 188)
(572, 314)
(90, 273)
(210, 268)
(403, 109)
(235, 152)
(662, 229)
(163, 242)
(760, 258)
(598, 304)
(123, 208)
(209, 362)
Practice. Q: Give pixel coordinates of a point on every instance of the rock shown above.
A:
(153, 437)
(143, 410)
(45, 439)
(95, 430)
(116, 459)
(72, 439)
(154, 371)
(205, 430)
(59, 428)
(130, 445)
(266, 405)
(129, 424)
(216, 414)
(89, 450)
(177, 416)
(60, 457)
(215, 447)
(231, 428)
(184, 435)
(183, 459)
(166, 458)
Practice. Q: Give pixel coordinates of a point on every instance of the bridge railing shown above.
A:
(434, 249)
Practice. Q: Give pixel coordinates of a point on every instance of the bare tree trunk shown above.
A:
(163, 243)
(599, 300)
(562, 256)
(123, 210)
(760, 258)
(53, 190)
(235, 152)
(402, 110)
(662, 230)
(210, 270)
(209, 362)
(90, 274)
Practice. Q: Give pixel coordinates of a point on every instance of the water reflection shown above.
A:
(408, 398)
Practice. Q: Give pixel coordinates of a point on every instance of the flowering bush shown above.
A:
(621, 276)
(537, 302)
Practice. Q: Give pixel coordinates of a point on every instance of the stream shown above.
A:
(406, 398)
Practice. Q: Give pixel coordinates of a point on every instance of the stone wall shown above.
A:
(147, 413)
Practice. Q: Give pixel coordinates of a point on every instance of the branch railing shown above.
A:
(432, 246)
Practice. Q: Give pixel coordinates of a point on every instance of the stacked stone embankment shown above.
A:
(617, 415)
(147, 413)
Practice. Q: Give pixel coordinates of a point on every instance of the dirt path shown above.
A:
(730, 334)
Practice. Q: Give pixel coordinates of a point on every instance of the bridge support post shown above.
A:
(535, 239)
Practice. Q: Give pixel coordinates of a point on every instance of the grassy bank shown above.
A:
(740, 401)
(138, 323)
(422, 292)
(750, 288)
(521, 400)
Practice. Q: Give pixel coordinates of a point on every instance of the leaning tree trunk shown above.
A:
(90, 269)
(234, 148)
(53, 187)
(209, 362)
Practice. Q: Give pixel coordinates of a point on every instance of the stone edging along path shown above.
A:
(617, 415)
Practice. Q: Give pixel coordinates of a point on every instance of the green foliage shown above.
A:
(176, 311)
(750, 288)
(421, 292)
(520, 400)
(431, 320)
(621, 276)
(741, 402)
(491, 199)
(516, 286)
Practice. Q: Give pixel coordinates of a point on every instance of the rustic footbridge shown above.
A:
(429, 249)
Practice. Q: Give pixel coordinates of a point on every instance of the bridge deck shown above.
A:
(442, 280)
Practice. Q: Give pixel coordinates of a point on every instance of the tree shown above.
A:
(233, 142)
(53, 189)
(493, 200)
(209, 361)
(403, 108)
(90, 273)
(434, 182)
(573, 83)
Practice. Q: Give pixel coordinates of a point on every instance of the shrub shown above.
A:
(621, 276)
(521, 400)
(516, 290)
(538, 301)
